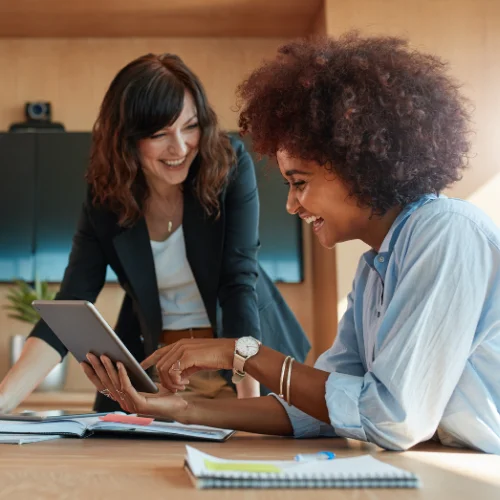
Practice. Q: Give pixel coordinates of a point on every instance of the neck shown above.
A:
(377, 227)
(164, 191)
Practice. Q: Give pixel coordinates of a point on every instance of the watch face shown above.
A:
(247, 346)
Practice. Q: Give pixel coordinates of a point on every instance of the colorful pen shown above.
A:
(309, 457)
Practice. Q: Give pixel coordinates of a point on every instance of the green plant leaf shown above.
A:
(20, 297)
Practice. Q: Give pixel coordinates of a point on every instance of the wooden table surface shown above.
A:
(117, 468)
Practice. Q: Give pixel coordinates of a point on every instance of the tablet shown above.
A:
(82, 329)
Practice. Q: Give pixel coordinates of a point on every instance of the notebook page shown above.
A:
(76, 427)
(165, 428)
(365, 466)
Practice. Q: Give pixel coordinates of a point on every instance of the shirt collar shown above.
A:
(379, 260)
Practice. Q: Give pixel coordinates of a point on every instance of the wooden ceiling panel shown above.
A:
(157, 18)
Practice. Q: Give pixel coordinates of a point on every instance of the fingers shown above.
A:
(155, 357)
(91, 375)
(192, 355)
(103, 376)
(165, 405)
(135, 399)
(115, 380)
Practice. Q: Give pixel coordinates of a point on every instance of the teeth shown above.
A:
(173, 163)
(311, 219)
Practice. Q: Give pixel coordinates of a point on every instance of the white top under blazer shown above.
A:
(180, 300)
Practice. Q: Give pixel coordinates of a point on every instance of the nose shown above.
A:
(177, 146)
(292, 204)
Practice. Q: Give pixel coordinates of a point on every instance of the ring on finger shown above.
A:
(107, 393)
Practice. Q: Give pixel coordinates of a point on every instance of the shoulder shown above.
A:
(238, 146)
(243, 170)
(448, 226)
(453, 215)
(100, 216)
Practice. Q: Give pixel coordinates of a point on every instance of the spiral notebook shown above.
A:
(364, 471)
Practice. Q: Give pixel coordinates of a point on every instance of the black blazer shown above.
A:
(239, 297)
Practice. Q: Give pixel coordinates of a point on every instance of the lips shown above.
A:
(174, 164)
(315, 220)
(318, 224)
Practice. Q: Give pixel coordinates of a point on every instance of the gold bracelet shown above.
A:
(282, 378)
(288, 379)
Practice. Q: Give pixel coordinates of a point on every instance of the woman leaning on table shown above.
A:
(367, 132)
(173, 209)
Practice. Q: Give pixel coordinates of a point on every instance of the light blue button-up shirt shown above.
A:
(418, 349)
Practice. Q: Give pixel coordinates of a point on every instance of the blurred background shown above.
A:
(57, 59)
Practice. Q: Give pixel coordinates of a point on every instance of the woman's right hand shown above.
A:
(161, 404)
(177, 362)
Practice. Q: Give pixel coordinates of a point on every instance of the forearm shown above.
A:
(263, 415)
(36, 360)
(307, 384)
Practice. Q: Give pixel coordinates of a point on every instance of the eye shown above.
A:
(193, 126)
(299, 185)
(157, 136)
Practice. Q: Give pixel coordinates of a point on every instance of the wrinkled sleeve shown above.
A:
(423, 343)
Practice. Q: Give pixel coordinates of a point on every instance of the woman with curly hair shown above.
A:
(173, 209)
(367, 134)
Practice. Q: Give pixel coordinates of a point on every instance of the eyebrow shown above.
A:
(185, 123)
(289, 173)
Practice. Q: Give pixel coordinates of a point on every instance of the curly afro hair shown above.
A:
(388, 120)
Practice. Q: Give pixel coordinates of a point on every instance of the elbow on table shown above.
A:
(398, 436)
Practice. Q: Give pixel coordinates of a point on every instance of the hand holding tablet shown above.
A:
(82, 329)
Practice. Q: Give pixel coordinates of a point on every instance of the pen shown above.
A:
(309, 457)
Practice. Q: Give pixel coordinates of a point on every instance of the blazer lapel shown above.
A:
(135, 254)
(203, 239)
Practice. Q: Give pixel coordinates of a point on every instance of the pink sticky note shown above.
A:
(126, 419)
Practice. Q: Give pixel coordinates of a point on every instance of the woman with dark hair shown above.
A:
(367, 134)
(172, 208)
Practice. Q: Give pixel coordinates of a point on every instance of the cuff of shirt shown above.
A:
(305, 426)
(342, 399)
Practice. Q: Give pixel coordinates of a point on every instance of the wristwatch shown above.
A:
(244, 348)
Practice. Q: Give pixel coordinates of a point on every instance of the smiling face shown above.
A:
(320, 198)
(167, 155)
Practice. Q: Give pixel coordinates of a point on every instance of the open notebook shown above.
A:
(364, 471)
(86, 426)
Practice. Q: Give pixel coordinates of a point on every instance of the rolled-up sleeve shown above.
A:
(305, 426)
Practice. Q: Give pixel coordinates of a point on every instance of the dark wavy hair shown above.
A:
(386, 119)
(145, 96)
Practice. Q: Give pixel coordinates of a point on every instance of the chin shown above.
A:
(327, 241)
(176, 177)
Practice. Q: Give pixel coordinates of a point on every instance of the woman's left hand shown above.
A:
(104, 375)
(177, 362)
